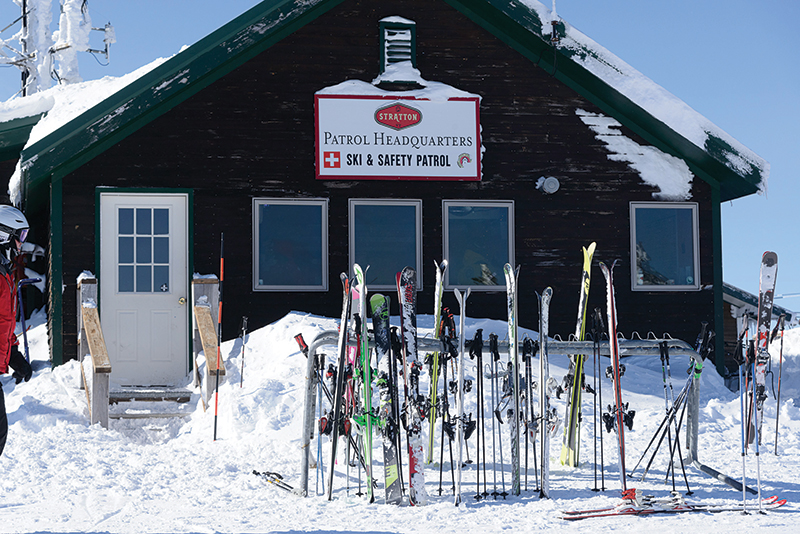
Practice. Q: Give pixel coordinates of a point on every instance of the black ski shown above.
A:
(338, 393)
(386, 383)
(415, 403)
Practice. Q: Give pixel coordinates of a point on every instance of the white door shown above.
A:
(144, 287)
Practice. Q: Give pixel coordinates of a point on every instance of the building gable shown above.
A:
(525, 26)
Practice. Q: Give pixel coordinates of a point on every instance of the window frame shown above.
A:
(694, 207)
(351, 228)
(510, 207)
(322, 203)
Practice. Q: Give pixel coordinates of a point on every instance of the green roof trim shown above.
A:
(14, 135)
(161, 89)
(741, 298)
(514, 22)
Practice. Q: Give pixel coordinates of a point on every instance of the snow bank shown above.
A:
(156, 475)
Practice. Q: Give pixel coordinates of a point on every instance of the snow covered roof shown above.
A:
(64, 140)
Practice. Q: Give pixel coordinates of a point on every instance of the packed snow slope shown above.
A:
(168, 475)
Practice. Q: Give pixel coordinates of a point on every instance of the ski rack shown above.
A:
(627, 347)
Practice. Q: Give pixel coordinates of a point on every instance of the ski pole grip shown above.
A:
(302, 344)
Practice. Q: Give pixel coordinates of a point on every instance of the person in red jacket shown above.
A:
(13, 231)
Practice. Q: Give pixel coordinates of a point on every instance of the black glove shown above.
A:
(22, 369)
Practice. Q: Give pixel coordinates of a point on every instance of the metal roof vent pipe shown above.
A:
(548, 185)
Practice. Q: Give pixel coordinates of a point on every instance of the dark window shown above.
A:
(664, 246)
(386, 235)
(290, 244)
(478, 242)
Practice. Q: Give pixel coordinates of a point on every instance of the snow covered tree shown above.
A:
(44, 56)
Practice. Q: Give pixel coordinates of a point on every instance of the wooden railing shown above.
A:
(205, 299)
(95, 365)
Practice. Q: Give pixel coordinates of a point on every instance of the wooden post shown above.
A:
(92, 344)
(87, 292)
(205, 294)
(98, 389)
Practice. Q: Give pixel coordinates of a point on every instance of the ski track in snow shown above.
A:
(168, 475)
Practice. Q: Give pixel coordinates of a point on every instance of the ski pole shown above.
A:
(444, 415)
(664, 355)
(527, 348)
(28, 281)
(756, 437)
(781, 321)
(219, 328)
(320, 365)
(396, 350)
(739, 356)
(476, 351)
(599, 328)
(595, 352)
(493, 352)
(744, 439)
(244, 342)
(504, 494)
(677, 447)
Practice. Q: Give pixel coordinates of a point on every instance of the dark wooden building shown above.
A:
(254, 132)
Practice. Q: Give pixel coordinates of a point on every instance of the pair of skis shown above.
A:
(754, 393)
(349, 360)
(574, 381)
(634, 503)
(545, 416)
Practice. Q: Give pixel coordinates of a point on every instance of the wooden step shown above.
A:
(151, 394)
(147, 415)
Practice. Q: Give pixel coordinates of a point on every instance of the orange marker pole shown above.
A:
(219, 327)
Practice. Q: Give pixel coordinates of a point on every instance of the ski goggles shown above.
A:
(22, 235)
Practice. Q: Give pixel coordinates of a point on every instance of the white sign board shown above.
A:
(367, 137)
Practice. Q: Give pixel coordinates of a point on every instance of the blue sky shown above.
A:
(734, 61)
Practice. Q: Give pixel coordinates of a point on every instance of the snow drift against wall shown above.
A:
(651, 97)
(669, 174)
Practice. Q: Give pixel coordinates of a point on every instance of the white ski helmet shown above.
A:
(13, 224)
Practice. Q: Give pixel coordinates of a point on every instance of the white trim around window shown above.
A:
(478, 240)
(386, 236)
(290, 244)
(665, 246)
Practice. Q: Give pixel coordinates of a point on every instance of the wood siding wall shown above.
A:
(251, 134)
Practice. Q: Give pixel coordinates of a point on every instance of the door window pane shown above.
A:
(290, 244)
(138, 250)
(478, 239)
(160, 221)
(385, 236)
(125, 249)
(160, 250)
(143, 245)
(664, 246)
(126, 221)
(125, 278)
(143, 223)
(160, 278)
(144, 283)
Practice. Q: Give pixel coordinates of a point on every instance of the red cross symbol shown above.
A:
(331, 160)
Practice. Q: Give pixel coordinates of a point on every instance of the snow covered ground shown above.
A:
(59, 474)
